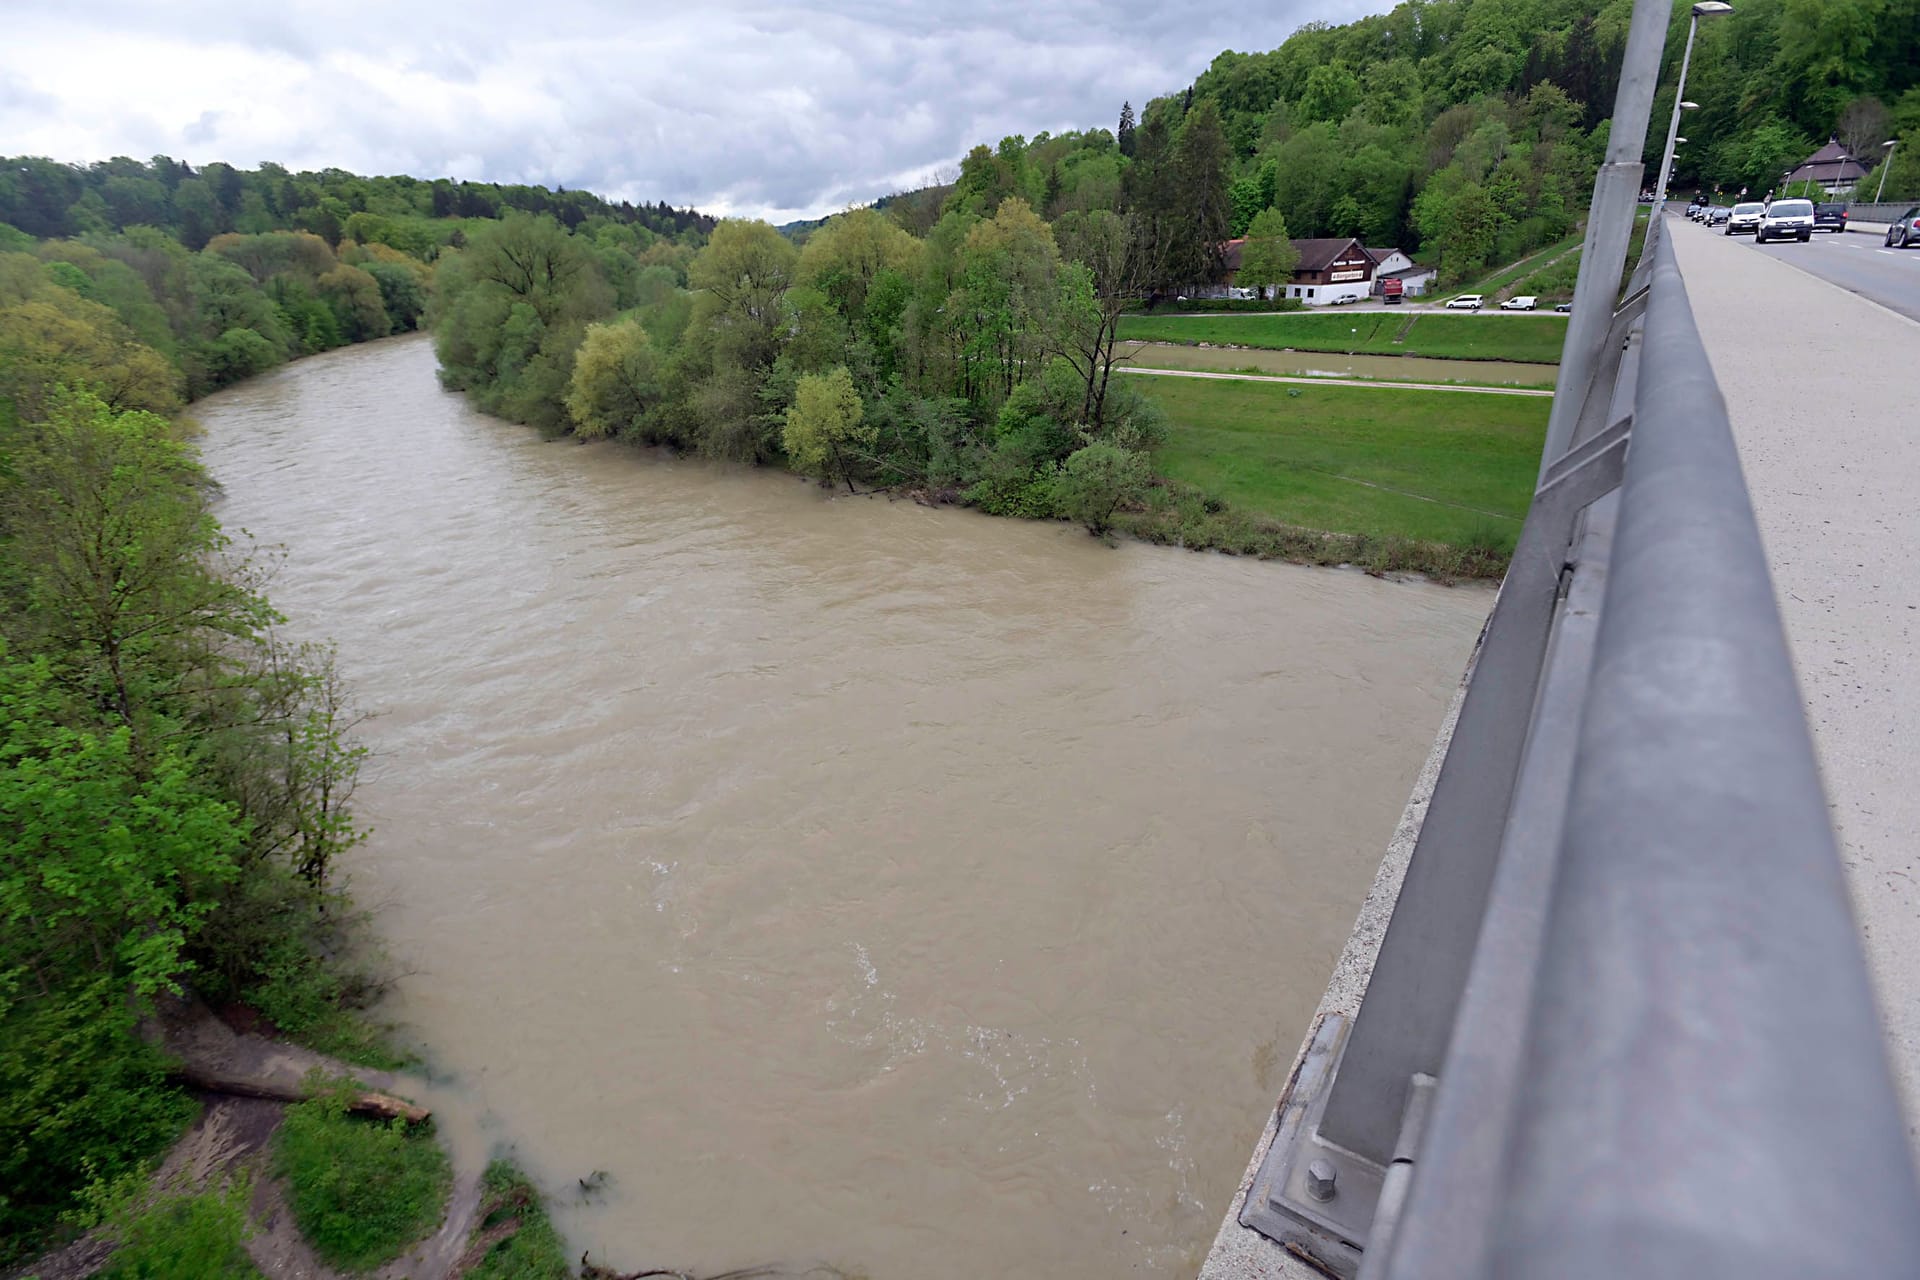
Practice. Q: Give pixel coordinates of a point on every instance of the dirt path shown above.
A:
(1336, 382)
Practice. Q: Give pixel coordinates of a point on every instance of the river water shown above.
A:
(930, 894)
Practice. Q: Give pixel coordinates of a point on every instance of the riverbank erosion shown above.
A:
(870, 864)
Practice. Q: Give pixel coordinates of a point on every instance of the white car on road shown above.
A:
(1525, 302)
(1785, 220)
(1745, 217)
(1465, 302)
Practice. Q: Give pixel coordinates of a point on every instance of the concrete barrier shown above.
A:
(1884, 212)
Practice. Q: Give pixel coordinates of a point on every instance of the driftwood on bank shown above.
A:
(383, 1106)
(592, 1271)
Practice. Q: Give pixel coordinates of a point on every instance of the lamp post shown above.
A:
(1704, 9)
(1884, 166)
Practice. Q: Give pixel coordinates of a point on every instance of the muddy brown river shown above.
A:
(924, 893)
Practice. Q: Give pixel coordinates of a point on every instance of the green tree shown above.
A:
(1331, 92)
(745, 268)
(825, 424)
(116, 548)
(1269, 256)
(1112, 272)
(613, 383)
(844, 256)
(357, 303)
(53, 338)
(1098, 480)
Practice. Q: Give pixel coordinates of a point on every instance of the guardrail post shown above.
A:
(1603, 254)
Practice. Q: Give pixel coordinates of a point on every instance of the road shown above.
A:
(1857, 263)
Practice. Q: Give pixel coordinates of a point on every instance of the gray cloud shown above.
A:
(787, 109)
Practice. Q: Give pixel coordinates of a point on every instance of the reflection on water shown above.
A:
(847, 879)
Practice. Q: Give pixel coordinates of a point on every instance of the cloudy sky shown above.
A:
(779, 110)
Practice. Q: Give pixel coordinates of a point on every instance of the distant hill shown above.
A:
(50, 200)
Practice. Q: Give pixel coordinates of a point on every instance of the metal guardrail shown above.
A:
(1885, 212)
(1620, 1023)
(1662, 1056)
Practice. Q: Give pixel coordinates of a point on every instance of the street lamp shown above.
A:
(1884, 166)
(1704, 9)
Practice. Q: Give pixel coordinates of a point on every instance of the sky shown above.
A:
(775, 110)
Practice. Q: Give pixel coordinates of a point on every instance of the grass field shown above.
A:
(1529, 339)
(1432, 466)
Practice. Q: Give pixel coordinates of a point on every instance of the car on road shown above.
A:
(1525, 302)
(1785, 220)
(1830, 217)
(1465, 302)
(1563, 307)
(1718, 215)
(1745, 218)
(1904, 233)
(1346, 298)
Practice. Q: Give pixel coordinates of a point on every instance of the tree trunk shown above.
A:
(383, 1106)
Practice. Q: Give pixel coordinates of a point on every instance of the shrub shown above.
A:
(361, 1191)
(533, 1251)
(177, 1237)
(80, 1098)
(1097, 481)
(1029, 496)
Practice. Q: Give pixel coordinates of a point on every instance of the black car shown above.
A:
(1905, 231)
(1830, 217)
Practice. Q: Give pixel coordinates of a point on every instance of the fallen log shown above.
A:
(381, 1106)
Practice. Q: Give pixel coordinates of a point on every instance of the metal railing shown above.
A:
(1619, 1024)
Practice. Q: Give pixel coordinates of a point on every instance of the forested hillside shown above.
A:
(224, 273)
(50, 200)
(175, 777)
(1469, 130)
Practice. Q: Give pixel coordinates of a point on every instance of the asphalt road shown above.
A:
(1857, 263)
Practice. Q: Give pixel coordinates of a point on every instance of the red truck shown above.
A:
(1392, 290)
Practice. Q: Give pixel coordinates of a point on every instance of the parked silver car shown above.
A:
(1904, 232)
(1745, 218)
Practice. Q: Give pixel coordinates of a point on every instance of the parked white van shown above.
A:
(1465, 302)
(1525, 302)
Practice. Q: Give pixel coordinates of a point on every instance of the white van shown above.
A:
(1465, 302)
(1526, 302)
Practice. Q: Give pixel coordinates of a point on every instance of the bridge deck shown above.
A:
(1823, 389)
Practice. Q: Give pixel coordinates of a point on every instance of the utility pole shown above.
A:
(1705, 9)
(1616, 194)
